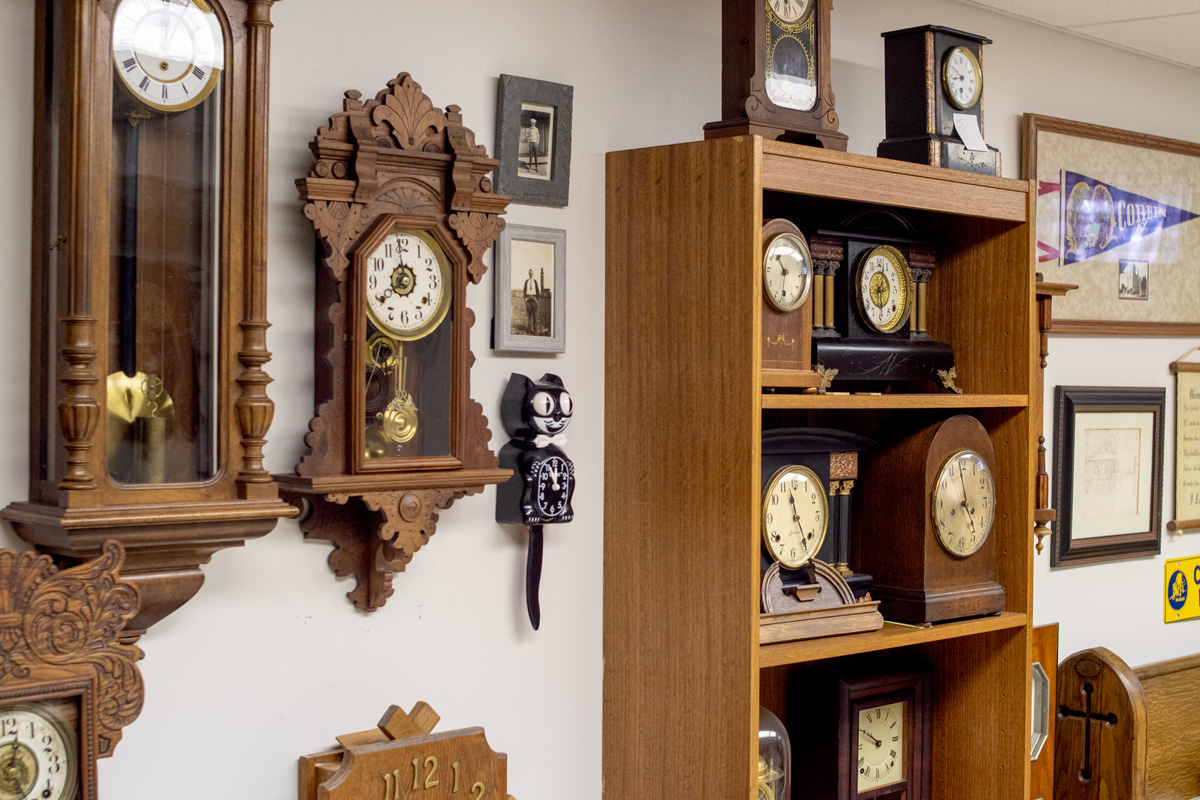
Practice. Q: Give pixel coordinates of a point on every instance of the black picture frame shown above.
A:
(545, 178)
(1100, 467)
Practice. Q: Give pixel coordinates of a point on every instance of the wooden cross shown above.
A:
(1088, 717)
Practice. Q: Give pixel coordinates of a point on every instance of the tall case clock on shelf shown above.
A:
(775, 80)
(149, 405)
(403, 208)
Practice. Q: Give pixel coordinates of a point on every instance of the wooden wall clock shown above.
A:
(930, 542)
(402, 205)
(149, 405)
(68, 687)
(775, 79)
(931, 74)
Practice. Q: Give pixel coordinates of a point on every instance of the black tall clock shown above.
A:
(933, 74)
(876, 268)
(775, 72)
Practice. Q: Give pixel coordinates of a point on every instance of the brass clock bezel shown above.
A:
(444, 301)
(808, 283)
(766, 498)
(897, 259)
(214, 77)
(978, 78)
(937, 531)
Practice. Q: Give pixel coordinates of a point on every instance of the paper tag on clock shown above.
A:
(968, 130)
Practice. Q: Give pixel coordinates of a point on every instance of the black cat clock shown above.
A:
(535, 414)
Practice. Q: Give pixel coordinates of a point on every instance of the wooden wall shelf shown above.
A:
(684, 414)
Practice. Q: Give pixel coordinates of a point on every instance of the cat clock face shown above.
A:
(536, 408)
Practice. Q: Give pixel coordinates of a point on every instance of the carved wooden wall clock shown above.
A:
(775, 79)
(149, 405)
(402, 204)
(68, 687)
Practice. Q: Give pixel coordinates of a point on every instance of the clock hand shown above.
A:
(796, 517)
(970, 516)
(869, 736)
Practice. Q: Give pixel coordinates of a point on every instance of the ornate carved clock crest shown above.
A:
(402, 204)
(68, 687)
(149, 405)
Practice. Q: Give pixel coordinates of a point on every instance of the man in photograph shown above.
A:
(532, 292)
(531, 138)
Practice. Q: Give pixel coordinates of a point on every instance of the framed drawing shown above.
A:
(531, 290)
(533, 141)
(1108, 454)
(1117, 215)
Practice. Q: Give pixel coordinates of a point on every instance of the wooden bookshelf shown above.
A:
(685, 408)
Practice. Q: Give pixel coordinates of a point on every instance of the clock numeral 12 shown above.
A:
(391, 780)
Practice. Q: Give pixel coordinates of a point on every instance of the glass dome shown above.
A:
(774, 758)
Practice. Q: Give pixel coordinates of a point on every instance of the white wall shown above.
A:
(270, 661)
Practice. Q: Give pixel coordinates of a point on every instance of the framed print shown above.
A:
(1108, 454)
(1187, 444)
(533, 140)
(1116, 215)
(531, 290)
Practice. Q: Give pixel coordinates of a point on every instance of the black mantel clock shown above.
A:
(775, 79)
(932, 74)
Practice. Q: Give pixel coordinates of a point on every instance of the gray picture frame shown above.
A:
(547, 180)
(511, 327)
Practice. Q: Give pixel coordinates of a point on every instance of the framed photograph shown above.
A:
(531, 290)
(533, 141)
(1108, 463)
(1117, 216)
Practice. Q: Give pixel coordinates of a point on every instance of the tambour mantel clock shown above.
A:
(404, 210)
(149, 404)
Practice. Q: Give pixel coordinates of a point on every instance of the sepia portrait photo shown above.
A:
(532, 288)
(530, 296)
(535, 152)
(533, 140)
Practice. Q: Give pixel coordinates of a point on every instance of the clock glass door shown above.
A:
(792, 53)
(165, 256)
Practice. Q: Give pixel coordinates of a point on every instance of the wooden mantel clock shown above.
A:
(149, 404)
(68, 686)
(404, 210)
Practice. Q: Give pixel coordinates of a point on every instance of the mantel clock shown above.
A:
(149, 404)
(404, 210)
(775, 79)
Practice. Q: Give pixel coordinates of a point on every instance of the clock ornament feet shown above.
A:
(948, 377)
(827, 376)
(535, 414)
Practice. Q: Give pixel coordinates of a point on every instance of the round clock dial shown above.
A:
(787, 271)
(883, 289)
(788, 11)
(795, 515)
(168, 53)
(551, 478)
(408, 285)
(880, 746)
(962, 78)
(37, 756)
(964, 503)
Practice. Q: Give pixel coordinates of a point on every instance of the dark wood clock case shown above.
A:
(396, 158)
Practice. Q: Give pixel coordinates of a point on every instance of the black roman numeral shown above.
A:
(144, 85)
(129, 64)
(199, 73)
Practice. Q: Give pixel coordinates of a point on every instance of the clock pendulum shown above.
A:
(535, 414)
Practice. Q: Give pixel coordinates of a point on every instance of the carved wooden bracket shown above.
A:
(400, 521)
(59, 631)
(1043, 515)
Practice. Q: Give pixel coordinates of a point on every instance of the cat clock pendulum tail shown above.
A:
(535, 414)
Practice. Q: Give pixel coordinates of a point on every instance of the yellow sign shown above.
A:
(1181, 596)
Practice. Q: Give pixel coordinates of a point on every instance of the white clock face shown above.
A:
(795, 515)
(880, 746)
(788, 11)
(962, 78)
(168, 53)
(407, 285)
(787, 272)
(882, 286)
(37, 756)
(964, 503)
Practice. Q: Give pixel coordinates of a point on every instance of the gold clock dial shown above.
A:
(962, 78)
(38, 756)
(408, 285)
(787, 272)
(883, 289)
(788, 11)
(964, 503)
(881, 745)
(168, 53)
(795, 515)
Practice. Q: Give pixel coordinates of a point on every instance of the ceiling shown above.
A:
(1165, 29)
